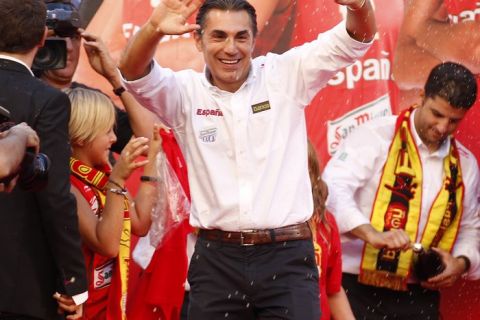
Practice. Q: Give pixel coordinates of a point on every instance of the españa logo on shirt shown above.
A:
(262, 106)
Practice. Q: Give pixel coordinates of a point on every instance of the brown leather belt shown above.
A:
(252, 237)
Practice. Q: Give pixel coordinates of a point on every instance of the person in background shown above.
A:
(328, 252)
(233, 118)
(39, 238)
(406, 179)
(435, 31)
(106, 212)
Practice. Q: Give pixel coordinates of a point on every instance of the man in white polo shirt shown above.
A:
(242, 126)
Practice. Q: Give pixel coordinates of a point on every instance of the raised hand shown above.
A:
(128, 160)
(99, 58)
(170, 16)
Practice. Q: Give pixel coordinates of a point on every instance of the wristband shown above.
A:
(117, 185)
(467, 262)
(118, 91)
(121, 192)
(357, 8)
(149, 179)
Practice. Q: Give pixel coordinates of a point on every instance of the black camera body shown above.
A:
(33, 170)
(64, 19)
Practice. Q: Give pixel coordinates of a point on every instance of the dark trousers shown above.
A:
(12, 316)
(268, 281)
(372, 303)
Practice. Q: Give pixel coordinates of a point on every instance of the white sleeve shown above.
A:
(353, 165)
(160, 92)
(302, 71)
(468, 238)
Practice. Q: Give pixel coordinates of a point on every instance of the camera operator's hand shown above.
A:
(100, 59)
(31, 137)
(68, 306)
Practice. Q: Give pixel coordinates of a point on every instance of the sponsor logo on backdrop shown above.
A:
(367, 70)
(342, 127)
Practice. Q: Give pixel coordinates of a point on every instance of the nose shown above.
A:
(443, 126)
(230, 46)
(113, 137)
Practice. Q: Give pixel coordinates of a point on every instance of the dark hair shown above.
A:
(224, 5)
(22, 24)
(454, 83)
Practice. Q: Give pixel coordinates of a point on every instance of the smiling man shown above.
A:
(405, 179)
(242, 126)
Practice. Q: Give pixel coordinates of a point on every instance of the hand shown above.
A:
(67, 305)
(454, 268)
(156, 143)
(170, 16)
(28, 133)
(9, 186)
(100, 59)
(395, 239)
(127, 163)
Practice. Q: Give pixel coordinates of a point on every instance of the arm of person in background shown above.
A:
(147, 192)
(348, 171)
(168, 18)
(141, 119)
(12, 150)
(339, 306)
(360, 19)
(103, 235)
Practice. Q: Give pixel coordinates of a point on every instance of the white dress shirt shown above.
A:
(248, 170)
(352, 176)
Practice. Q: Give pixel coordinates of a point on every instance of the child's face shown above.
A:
(97, 151)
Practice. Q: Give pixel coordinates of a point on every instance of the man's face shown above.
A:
(227, 43)
(63, 77)
(435, 120)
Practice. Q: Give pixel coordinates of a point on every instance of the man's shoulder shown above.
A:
(467, 158)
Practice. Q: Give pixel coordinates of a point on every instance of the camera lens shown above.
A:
(34, 171)
(51, 56)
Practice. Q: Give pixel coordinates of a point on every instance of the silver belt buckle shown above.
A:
(242, 238)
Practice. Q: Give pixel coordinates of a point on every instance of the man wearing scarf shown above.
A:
(404, 179)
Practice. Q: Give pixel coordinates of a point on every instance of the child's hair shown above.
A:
(319, 188)
(92, 114)
(319, 193)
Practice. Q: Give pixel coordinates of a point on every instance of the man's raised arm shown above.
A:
(360, 19)
(168, 18)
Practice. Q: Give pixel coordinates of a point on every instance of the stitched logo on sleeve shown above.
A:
(103, 275)
(262, 106)
(208, 135)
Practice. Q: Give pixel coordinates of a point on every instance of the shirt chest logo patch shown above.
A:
(102, 275)
(260, 107)
(208, 135)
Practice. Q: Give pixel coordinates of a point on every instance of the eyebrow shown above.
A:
(223, 33)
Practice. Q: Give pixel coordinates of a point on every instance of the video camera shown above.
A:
(33, 171)
(64, 19)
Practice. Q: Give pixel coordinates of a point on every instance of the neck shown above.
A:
(26, 58)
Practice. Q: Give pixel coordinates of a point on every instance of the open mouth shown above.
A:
(230, 61)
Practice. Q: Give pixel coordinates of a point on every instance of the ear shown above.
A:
(198, 41)
(45, 35)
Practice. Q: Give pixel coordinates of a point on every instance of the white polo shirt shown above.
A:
(352, 176)
(247, 151)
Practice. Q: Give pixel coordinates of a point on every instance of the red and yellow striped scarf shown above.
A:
(398, 203)
(96, 181)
